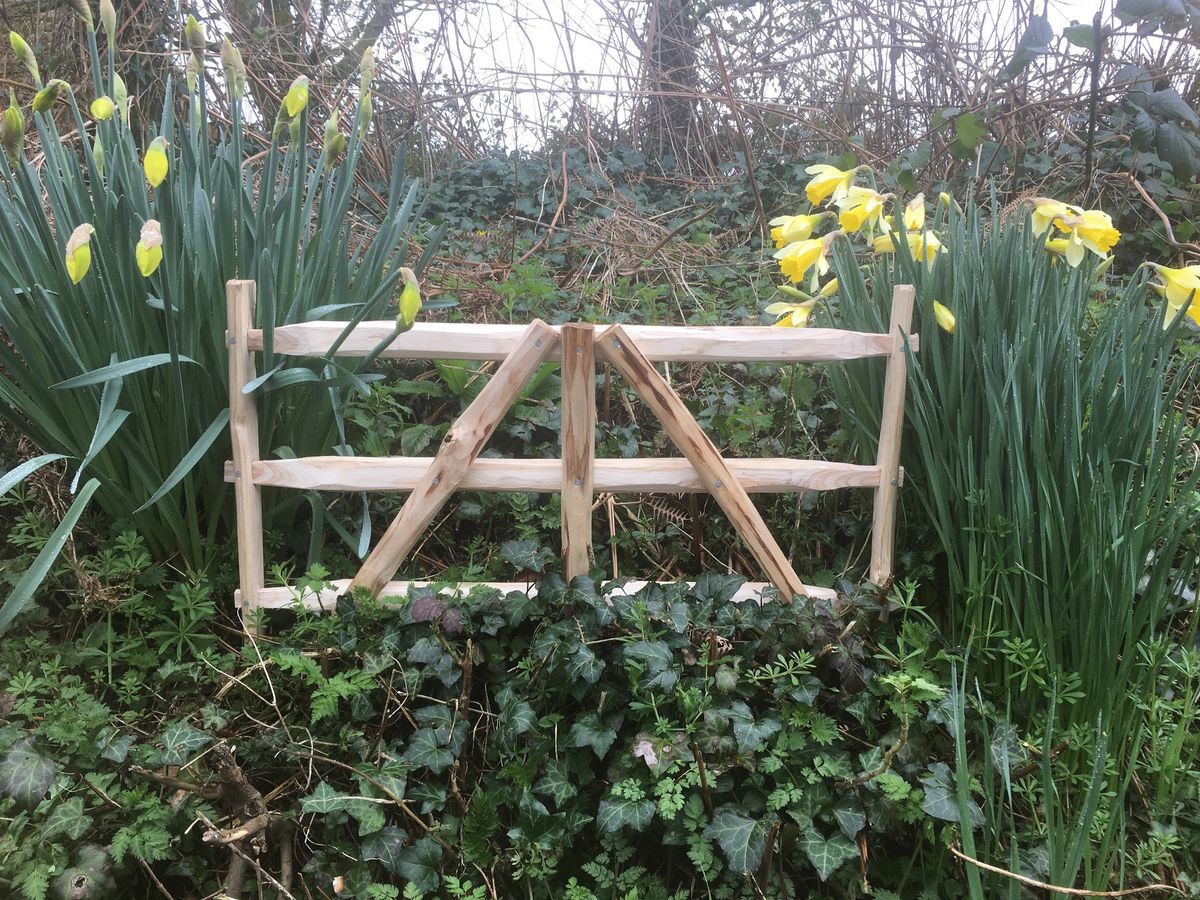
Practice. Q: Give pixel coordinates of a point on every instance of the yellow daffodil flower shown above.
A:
(797, 258)
(828, 181)
(789, 229)
(155, 162)
(79, 254)
(945, 318)
(914, 213)
(297, 97)
(1181, 288)
(1046, 212)
(924, 246)
(149, 249)
(792, 315)
(860, 206)
(103, 108)
(410, 299)
(1089, 230)
(1056, 246)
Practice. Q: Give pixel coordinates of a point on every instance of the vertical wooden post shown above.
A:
(578, 445)
(883, 525)
(243, 428)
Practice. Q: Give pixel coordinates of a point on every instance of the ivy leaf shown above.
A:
(850, 819)
(426, 750)
(515, 714)
(418, 864)
(584, 666)
(750, 734)
(180, 742)
(1180, 149)
(113, 745)
(941, 797)
(325, 799)
(827, 855)
(589, 731)
(1081, 36)
(716, 588)
(556, 783)
(67, 819)
(384, 847)
(619, 812)
(26, 775)
(741, 839)
(526, 556)
(370, 816)
(1169, 106)
(1033, 43)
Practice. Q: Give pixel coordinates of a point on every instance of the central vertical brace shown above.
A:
(578, 445)
(615, 346)
(460, 446)
(891, 428)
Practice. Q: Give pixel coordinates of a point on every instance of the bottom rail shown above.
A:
(288, 597)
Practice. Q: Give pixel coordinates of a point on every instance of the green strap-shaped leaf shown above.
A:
(119, 370)
(17, 474)
(23, 593)
(190, 459)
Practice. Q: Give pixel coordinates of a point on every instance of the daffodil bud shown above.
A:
(335, 141)
(235, 70)
(25, 55)
(108, 18)
(98, 154)
(193, 71)
(194, 38)
(945, 318)
(12, 128)
(366, 71)
(364, 116)
(149, 249)
(44, 99)
(121, 96)
(297, 97)
(155, 162)
(102, 109)
(79, 254)
(84, 10)
(410, 300)
(830, 289)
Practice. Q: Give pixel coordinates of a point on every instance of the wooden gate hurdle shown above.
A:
(632, 351)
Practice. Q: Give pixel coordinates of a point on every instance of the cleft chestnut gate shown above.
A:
(632, 351)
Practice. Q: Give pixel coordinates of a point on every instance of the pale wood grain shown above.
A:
(243, 430)
(631, 476)
(578, 436)
(659, 343)
(461, 445)
(287, 597)
(617, 347)
(883, 525)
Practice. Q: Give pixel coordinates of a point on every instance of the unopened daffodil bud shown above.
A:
(235, 70)
(410, 300)
(364, 116)
(12, 128)
(944, 317)
(194, 38)
(149, 249)
(192, 72)
(829, 289)
(297, 97)
(121, 96)
(44, 99)
(366, 71)
(108, 18)
(25, 55)
(98, 154)
(102, 109)
(335, 141)
(79, 253)
(155, 162)
(84, 11)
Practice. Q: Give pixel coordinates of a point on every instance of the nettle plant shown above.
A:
(114, 254)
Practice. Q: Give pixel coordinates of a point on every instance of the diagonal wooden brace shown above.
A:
(461, 445)
(615, 346)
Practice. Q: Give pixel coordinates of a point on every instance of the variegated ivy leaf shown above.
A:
(827, 855)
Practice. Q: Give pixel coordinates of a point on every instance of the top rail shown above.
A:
(660, 343)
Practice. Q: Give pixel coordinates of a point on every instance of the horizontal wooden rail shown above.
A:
(659, 343)
(645, 476)
(286, 597)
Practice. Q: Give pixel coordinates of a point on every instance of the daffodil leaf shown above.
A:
(16, 475)
(119, 370)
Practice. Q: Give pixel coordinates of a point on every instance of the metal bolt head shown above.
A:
(578, 482)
